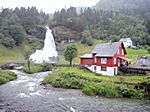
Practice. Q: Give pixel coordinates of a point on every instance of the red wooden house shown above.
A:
(105, 58)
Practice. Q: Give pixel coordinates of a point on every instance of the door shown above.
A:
(115, 71)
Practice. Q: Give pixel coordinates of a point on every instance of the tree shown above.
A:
(70, 52)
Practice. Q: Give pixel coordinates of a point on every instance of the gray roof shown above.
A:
(145, 61)
(106, 49)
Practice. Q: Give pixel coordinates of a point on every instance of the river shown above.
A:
(26, 94)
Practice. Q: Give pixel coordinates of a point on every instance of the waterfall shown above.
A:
(48, 54)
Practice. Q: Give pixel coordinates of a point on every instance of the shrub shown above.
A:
(69, 80)
(91, 89)
(148, 49)
(130, 92)
(6, 76)
(107, 89)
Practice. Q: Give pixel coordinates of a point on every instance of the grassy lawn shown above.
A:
(135, 53)
(86, 73)
(6, 76)
(10, 55)
(17, 53)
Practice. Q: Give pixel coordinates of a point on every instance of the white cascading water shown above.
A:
(48, 54)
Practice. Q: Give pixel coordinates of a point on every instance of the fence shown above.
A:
(135, 70)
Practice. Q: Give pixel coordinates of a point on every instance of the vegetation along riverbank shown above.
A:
(91, 84)
(6, 76)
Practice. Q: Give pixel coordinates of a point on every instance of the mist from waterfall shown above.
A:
(48, 54)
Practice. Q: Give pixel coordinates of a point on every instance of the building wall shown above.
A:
(127, 43)
(109, 61)
(86, 61)
(111, 71)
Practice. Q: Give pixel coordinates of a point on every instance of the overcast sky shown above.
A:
(48, 6)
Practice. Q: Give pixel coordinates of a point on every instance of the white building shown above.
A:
(127, 42)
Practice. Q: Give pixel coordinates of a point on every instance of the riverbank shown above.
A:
(31, 68)
(26, 94)
(6, 76)
(91, 84)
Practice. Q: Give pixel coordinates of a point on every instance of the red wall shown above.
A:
(109, 62)
(86, 61)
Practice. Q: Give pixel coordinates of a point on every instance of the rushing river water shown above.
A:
(26, 94)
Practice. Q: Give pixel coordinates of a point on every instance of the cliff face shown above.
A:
(65, 35)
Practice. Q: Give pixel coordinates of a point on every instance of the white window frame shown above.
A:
(115, 61)
(103, 60)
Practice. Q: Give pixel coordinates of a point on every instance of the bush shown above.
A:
(6, 76)
(70, 80)
(130, 92)
(148, 49)
(91, 89)
(87, 41)
(8, 42)
(107, 89)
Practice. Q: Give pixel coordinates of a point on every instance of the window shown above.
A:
(115, 60)
(122, 52)
(103, 68)
(103, 60)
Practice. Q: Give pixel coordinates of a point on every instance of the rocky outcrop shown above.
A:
(65, 35)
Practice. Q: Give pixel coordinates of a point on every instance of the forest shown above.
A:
(15, 24)
(90, 23)
(105, 25)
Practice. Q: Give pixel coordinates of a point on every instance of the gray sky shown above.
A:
(48, 6)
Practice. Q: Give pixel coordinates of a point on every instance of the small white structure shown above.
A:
(127, 42)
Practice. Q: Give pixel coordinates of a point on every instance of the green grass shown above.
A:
(35, 68)
(10, 55)
(82, 49)
(91, 84)
(6, 76)
(127, 79)
(17, 53)
(135, 53)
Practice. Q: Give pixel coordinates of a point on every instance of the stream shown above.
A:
(27, 94)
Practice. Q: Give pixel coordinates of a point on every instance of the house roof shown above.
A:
(86, 56)
(143, 61)
(125, 39)
(106, 49)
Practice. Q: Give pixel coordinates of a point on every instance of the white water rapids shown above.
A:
(48, 54)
